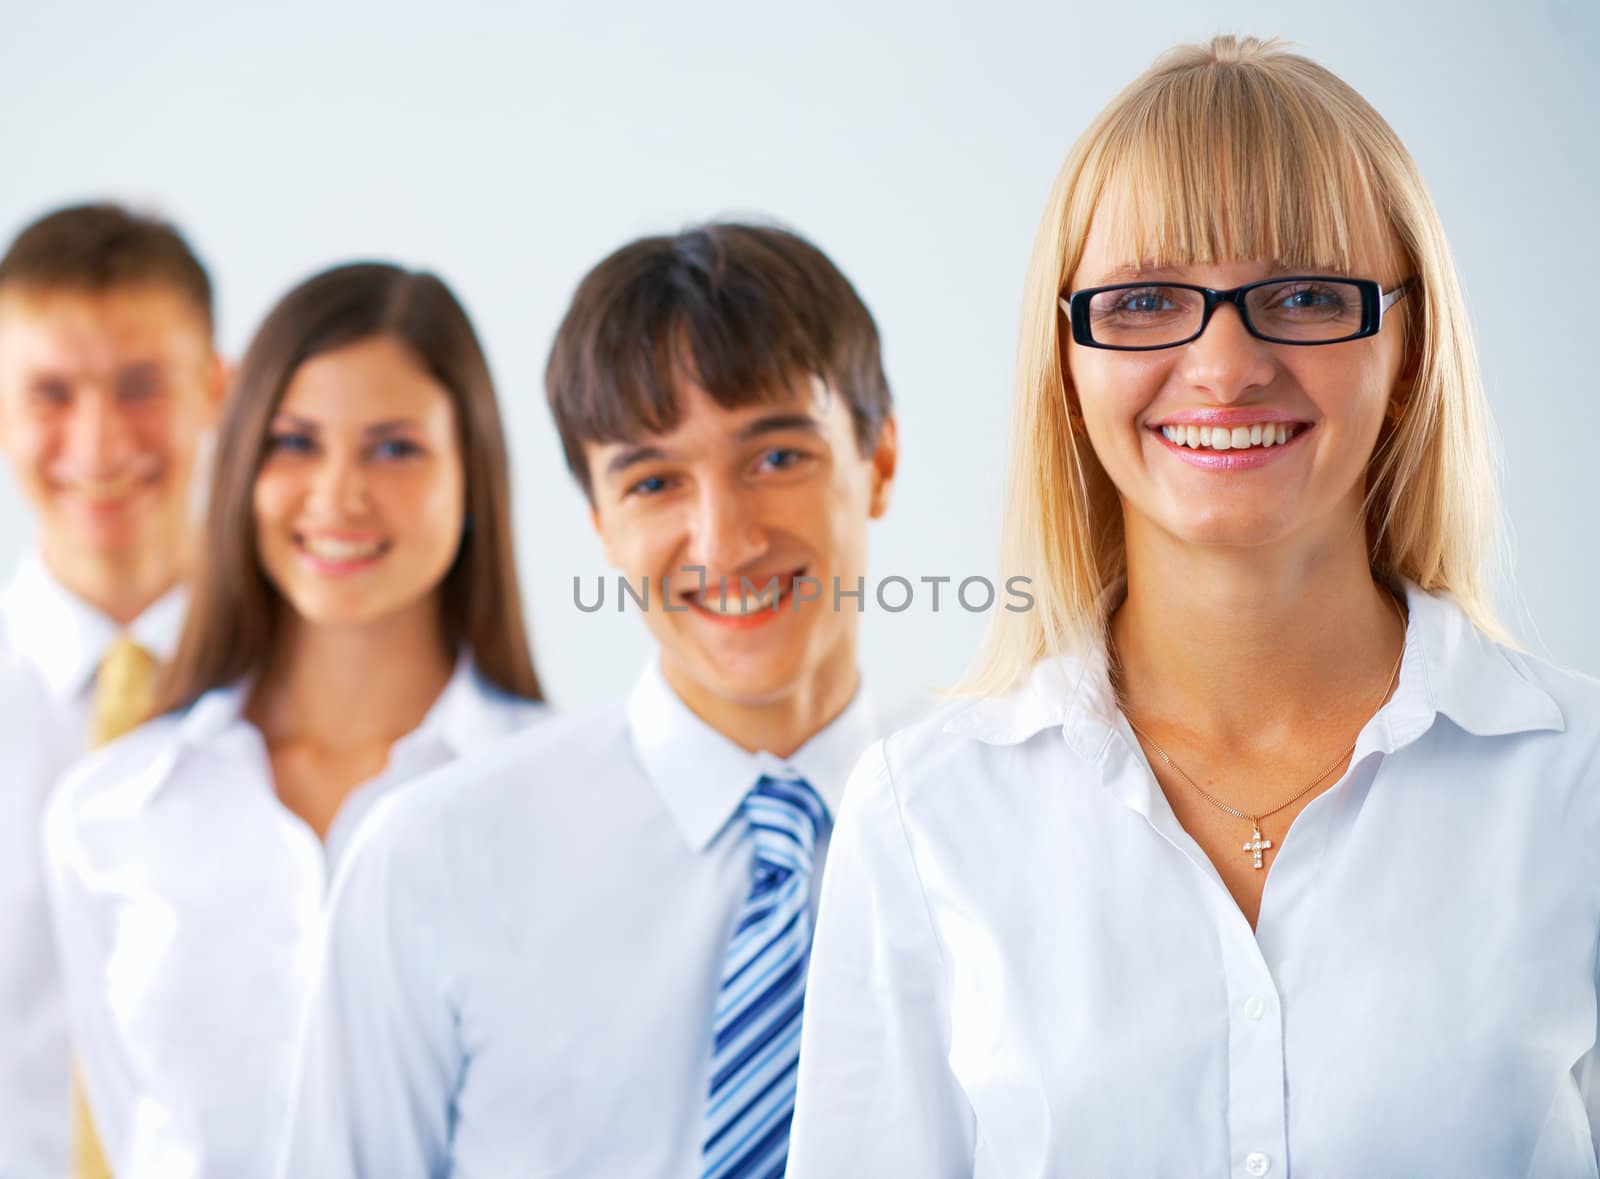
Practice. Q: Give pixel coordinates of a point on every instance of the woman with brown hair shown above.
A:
(1259, 851)
(356, 622)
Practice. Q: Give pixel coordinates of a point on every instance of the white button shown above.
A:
(1257, 1163)
(1255, 1007)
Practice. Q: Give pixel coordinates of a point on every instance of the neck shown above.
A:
(780, 724)
(122, 586)
(348, 686)
(1239, 647)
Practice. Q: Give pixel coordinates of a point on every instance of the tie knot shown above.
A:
(784, 815)
(122, 689)
(126, 665)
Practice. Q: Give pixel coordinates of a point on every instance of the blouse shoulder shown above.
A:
(108, 787)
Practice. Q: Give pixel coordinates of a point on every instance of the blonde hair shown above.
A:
(1307, 166)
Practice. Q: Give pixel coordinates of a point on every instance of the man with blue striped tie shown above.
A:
(583, 952)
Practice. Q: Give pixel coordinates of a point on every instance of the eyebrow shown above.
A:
(769, 424)
(778, 422)
(624, 459)
(1141, 271)
(377, 429)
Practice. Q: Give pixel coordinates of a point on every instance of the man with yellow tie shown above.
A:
(108, 381)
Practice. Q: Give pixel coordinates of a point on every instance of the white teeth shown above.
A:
(329, 549)
(1226, 438)
(752, 600)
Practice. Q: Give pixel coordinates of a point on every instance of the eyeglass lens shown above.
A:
(1150, 316)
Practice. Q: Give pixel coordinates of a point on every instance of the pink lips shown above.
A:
(1225, 417)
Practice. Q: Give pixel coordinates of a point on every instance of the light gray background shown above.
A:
(509, 149)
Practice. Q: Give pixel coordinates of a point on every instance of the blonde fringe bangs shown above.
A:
(1239, 149)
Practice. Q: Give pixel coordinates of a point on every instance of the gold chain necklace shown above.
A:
(1257, 844)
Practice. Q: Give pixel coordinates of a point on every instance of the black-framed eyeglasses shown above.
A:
(1300, 309)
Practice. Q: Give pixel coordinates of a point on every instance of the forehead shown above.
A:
(144, 321)
(703, 424)
(373, 379)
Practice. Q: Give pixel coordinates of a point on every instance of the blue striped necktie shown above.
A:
(757, 1030)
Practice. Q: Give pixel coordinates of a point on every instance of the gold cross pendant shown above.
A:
(1257, 845)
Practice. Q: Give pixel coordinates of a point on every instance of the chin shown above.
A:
(336, 610)
(754, 681)
(1231, 531)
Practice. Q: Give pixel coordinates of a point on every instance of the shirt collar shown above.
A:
(66, 638)
(466, 715)
(1448, 668)
(469, 713)
(703, 777)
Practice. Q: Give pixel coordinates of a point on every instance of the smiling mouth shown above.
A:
(106, 495)
(746, 597)
(1218, 438)
(335, 551)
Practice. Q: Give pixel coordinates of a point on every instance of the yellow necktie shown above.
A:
(122, 698)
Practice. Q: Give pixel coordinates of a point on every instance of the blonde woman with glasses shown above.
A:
(1257, 850)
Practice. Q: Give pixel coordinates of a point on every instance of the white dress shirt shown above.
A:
(188, 902)
(51, 646)
(525, 952)
(1025, 967)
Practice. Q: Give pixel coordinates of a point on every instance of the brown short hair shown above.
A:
(101, 246)
(742, 309)
(232, 620)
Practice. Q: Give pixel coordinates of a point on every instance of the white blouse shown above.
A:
(189, 909)
(1025, 967)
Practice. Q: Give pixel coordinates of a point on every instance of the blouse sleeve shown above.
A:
(1587, 1072)
(84, 940)
(876, 1094)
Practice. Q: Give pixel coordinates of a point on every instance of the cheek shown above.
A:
(643, 541)
(29, 437)
(166, 429)
(274, 499)
(1112, 389)
(429, 503)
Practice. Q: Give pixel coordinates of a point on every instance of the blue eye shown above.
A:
(291, 443)
(1144, 302)
(396, 448)
(1311, 299)
(650, 485)
(780, 460)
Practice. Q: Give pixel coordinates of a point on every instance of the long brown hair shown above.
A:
(233, 613)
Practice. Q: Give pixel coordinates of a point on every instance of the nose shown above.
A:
(1226, 361)
(725, 534)
(338, 487)
(99, 441)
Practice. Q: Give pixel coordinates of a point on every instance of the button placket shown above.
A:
(1257, 1104)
